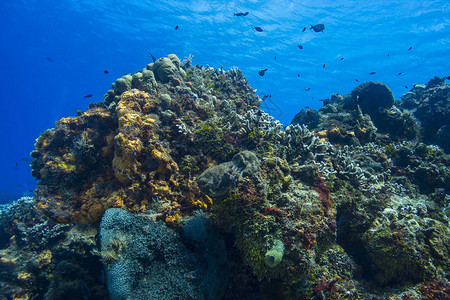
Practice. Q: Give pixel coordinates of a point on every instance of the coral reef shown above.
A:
(152, 263)
(430, 103)
(349, 201)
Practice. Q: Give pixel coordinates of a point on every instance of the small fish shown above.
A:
(323, 66)
(106, 71)
(406, 87)
(307, 89)
(257, 28)
(409, 48)
(304, 28)
(30, 191)
(18, 185)
(16, 164)
(153, 58)
(49, 58)
(356, 80)
(388, 54)
(88, 96)
(262, 72)
(298, 75)
(372, 73)
(275, 58)
(318, 27)
(399, 73)
(176, 27)
(342, 58)
(299, 46)
(265, 97)
(448, 77)
(241, 14)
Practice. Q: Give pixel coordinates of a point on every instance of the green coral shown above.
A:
(210, 137)
(274, 256)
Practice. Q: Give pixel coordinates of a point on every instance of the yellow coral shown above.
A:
(44, 258)
(23, 276)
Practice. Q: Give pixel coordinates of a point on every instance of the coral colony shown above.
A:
(177, 186)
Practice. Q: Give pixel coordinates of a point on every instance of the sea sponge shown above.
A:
(274, 256)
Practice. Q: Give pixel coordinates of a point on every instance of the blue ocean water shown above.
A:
(52, 54)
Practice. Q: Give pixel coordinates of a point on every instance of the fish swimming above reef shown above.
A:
(318, 28)
(262, 72)
(399, 73)
(275, 58)
(307, 89)
(409, 48)
(304, 28)
(88, 96)
(372, 73)
(106, 71)
(153, 58)
(176, 27)
(299, 46)
(49, 58)
(241, 14)
(356, 80)
(342, 58)
(323, 66)
(264, 98)
(257, 28)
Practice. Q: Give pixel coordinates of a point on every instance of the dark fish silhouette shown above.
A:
(299, 46)
(318, 27)
(153, 58)
(448, 77)
(406, 86)
(259, 29)
(356, 80)
(106, 72)
(388, 54)
(342, 58)
(275, 57)
(88, 96)
(176, 27)
(262, 72)
(409, 48)
(307, 89)
(323, 66)
(304, 28)
(264, 98)
(372, 73)
(298, 75)
(399, 73)
(241, 14)
(49, 58)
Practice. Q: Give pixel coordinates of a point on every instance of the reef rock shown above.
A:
(217, 181)
(430, 104)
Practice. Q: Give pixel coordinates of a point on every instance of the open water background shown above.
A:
(83, 38)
